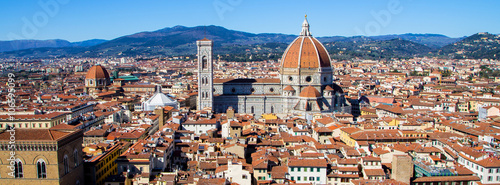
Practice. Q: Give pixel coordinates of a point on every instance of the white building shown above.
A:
(234, 173)
(308, 170)
(158, 100)
(200, 126)
(487, 168)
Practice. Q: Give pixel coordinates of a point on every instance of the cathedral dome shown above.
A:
(97, 72)
(310, 92)
(305, 52)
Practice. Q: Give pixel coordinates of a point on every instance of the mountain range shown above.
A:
(180, 40)
(55, 43)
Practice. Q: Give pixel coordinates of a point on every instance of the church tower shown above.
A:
(205, 73)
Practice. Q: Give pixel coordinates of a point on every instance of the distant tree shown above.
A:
(487, 90)
(446, 73)
(415, 73)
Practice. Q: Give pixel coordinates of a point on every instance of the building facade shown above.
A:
(311, 171)
(305, 84)
(41, 156)
(97, 80)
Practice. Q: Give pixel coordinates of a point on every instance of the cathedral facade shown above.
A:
(305, 84)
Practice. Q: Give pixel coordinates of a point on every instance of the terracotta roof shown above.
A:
(371, 158)
(205, 39)
(310, 92)
(374, 172)
(322, 130)
(33, 117)
(288, 88)
(211, 181)
(307, 162)
(35, 134)
(279, 172)
(96, 72)
(208, 165)
(305, 52)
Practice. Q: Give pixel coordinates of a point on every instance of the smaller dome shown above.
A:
(289, 88)
(310, 92)
(97, 72)
(328, 88)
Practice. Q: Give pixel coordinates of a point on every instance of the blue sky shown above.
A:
(77, 20)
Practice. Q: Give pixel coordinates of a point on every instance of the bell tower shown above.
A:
(205, 73)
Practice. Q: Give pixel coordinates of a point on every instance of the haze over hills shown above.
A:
(54, 43)
(180, 40)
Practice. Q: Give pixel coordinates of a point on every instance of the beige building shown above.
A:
(38, 121)
(41, 156)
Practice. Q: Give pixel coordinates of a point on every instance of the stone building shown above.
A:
(97, 80)
(41, 156)
(305, 84)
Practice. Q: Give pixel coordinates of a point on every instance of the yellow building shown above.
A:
(345, 135)
(100, 162)
(396, 121)
(41, 156)
(38, 121)
(463, 106)
(473, 105)
(269, 116)
(368, 111)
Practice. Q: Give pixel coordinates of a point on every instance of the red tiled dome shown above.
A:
(310, 92)
(97, 72)
(305, 52)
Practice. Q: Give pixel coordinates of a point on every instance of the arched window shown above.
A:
(66, 164)
(75, 157)
(41, 169)
(204, 62)
(18, 169)
(272, 109)
(252, 110)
